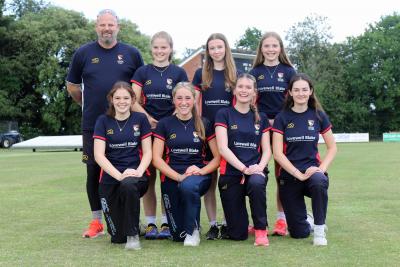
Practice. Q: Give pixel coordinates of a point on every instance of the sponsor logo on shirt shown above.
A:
(290, 125)
(136, 130)
(120, 59)
(185, 150)
(234, 127)
(217, 102)
(95, 60)
(310, 125)
(110, 131)
(245, 144)
(303, 138)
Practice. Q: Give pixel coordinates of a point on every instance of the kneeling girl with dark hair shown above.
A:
(122, 148)
(303, 172)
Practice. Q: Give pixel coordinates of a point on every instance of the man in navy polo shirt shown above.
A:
(94, 68)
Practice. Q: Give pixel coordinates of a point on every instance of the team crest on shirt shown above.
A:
(110, 131)
(280, 77)
(169, 83)
(290, 125)
(148, 82)
(261, 77)
(196, 138)
(310, 125)
(257, 126)
(120, 59)
(136, 130)
(172, 136)
(95, 60)
(234, 127)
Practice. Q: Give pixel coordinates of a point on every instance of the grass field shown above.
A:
(44, 210)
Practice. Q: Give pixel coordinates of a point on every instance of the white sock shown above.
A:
(151, 220)
(97, 215)
(319, 230)
(280, 215)
(213, 222)
(164, 219)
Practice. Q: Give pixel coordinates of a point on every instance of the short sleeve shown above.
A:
(146, 128)
(160, 132)
(265, 126)
(279, 124)
(325, 122)
(209, 129)
(182, 75)
(100, 128)
(75, 68)
(139, 77)
(197, 79)
(221, 118)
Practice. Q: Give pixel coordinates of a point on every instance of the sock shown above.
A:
(151, 220)
(319, 230)
(164, 219)
(97, 215)
(280, 215)
(213, 222)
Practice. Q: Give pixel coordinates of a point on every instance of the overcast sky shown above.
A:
(191, 22)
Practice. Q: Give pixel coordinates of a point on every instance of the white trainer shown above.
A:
(132, 242)
(192, 240)
(320, 236)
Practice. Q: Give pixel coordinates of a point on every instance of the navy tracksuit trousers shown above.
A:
(233, 191)
(292, 192)
(182, 203)
(121, 206)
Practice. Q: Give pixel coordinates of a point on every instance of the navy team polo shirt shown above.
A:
(183, 147)
(215, 97)
(244, 137)
(123, 148)
(300, 136)
(157, 88)
(99, 69)
(272, 90)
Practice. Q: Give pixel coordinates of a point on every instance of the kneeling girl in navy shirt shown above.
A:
(303, 172)
(179, 153)
(122, 148)
(243, 141)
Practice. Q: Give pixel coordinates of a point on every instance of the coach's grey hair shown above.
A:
(108, 11)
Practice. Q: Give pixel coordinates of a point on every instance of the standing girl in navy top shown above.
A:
(179, 153)
(215, 82)
(122, 148)
(273, 71)
(153, 86)
(244, 144)
(303, 172)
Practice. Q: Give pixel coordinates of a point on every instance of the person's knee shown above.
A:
(299, 232)
(129, 184)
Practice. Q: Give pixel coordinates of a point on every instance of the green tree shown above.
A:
(249, 40)
(372, 76)
(34, 57)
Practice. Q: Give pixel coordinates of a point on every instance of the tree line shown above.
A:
(357, 81)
